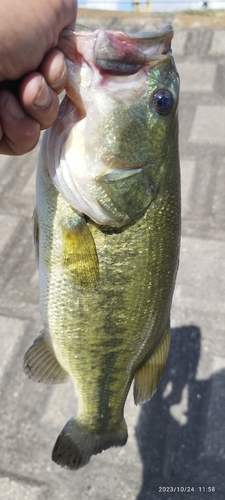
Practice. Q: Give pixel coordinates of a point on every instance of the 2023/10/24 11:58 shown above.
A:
(186, 489)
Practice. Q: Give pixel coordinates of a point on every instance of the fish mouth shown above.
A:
(116, 52)
(111, 54)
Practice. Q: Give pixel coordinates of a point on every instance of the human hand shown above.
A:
(23, 50)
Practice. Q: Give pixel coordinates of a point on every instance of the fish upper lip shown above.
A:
(148, 35)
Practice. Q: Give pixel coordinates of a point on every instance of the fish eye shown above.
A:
(162, 101)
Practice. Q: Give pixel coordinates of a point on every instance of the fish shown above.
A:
(107, 232)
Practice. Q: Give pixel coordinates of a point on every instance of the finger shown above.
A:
(19, 133)
(69, 14)
(39, 100)
(54, 70)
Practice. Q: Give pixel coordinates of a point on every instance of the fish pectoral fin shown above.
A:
(146, 379)
(36, 234)
(41, 365)
(79, 252)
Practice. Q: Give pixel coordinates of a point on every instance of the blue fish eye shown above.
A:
(162, 101)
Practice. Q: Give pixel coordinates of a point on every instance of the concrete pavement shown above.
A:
(178, 439)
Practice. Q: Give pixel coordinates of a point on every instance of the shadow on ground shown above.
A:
(181, 431)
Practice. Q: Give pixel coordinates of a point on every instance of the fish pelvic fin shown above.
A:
(146, 379)
(79, 252)
(77, 443)
(41, 365)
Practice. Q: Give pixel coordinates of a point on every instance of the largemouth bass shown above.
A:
(107, 232)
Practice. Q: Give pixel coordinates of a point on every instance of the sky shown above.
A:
(156, 5)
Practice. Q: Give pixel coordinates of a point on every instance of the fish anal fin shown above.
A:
(41, 365)
(146, 379)
(79, 252)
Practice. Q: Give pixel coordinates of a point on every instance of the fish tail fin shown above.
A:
(77, 443)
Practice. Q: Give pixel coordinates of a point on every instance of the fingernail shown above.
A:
(14, 108)
(58, 71)
(44, 96)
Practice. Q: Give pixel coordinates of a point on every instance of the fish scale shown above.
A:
(106, 285)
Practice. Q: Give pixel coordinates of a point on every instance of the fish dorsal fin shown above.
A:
(146, 379)
(79, 252)
(41, 365)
